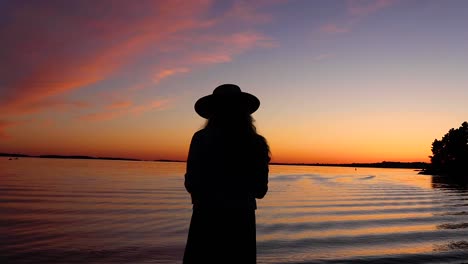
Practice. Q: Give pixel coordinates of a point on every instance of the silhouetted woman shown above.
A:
(227, 169)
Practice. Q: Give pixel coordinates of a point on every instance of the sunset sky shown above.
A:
(338, 81)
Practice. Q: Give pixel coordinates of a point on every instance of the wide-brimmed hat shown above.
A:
(226, 98)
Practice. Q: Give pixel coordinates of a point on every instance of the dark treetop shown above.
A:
(450, 154)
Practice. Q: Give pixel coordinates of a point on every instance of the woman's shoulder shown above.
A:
(200, 133)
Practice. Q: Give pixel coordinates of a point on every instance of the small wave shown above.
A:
(368, 177)
(453, 226)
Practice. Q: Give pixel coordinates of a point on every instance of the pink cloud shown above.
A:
(210, 58)
(247, 40)
(249, 11)
(101, 116)
(160, 75)
(356, 10)
(228, 46)
(32, 94)
(66, 63)
(62, 105)
(119, 109)
(154, 105)
(51, 53)
(47, 122)
(4, 125)
(119, 105)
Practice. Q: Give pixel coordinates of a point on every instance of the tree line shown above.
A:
(450, 154)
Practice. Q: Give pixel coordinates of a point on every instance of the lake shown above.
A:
(100, 211)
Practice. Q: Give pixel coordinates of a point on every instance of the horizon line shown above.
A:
(389, 163)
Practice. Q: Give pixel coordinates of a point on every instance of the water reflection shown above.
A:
(457, 188)
(456, 245)
(453, 226)
(450, 183)
(56, 211)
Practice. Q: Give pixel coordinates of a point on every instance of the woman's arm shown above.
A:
(262, 170)
(192, 175)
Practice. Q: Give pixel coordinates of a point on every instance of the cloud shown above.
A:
(356, 10)
(62, 105)
(119, 105)
(63, 65)
(247, 40)
(227, 46)
(50, 49)
(101, 116)
(119, 109)
(248, 11)
(47, 122)
(210, 58)
(154, 105)
(4, 125)
(204, 50)
(167, 73)
(32, 93)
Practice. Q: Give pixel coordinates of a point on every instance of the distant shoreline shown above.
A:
(16, 155)
(383, 164)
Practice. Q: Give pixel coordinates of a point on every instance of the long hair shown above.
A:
(238, 128)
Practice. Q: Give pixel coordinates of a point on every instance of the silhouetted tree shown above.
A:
(450, 154)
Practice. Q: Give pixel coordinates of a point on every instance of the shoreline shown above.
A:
(383, 164)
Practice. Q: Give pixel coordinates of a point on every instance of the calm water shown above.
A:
(92, 211)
